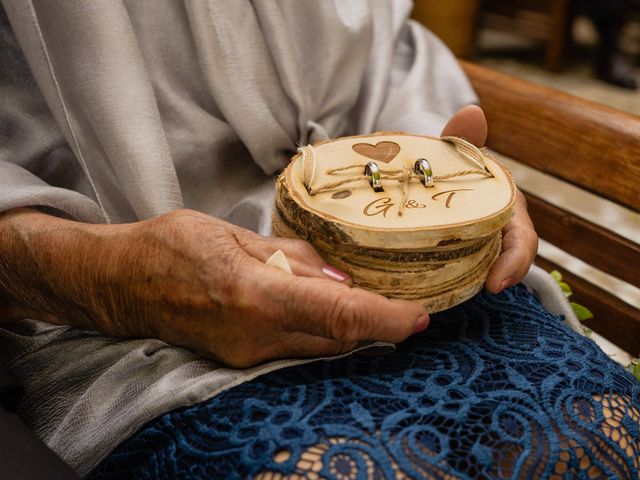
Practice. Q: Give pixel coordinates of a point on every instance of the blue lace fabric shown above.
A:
(495, 388)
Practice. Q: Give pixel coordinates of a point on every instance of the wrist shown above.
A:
(54, 267)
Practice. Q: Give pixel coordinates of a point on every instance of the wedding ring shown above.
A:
(372, 170)
(424, 167)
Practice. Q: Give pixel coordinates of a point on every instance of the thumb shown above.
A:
(469, 123)
(338, 312)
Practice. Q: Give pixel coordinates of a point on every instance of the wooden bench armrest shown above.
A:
(590, 145)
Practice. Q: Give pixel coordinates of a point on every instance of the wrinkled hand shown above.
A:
(200, 282)
(519, 239)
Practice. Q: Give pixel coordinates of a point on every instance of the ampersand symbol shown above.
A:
(413, 204)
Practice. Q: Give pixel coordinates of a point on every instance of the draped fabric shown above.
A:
(131, 109)
(496, 388)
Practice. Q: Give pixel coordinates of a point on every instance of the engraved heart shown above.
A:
(381, 151)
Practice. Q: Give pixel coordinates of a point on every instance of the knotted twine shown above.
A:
(402, 175)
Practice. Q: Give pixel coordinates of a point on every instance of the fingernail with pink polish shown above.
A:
(421, 324)
(334, 274)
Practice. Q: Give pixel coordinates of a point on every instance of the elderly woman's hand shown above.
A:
(519, 238)
(191, 280)
(205, 285)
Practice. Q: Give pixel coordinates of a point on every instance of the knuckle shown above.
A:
(531, 242)
(346, 320)
(530, 233)
(240, 296)
(525, 237)
(244, 238)
(175, 224)
(232, 278)
(179, 216)
(304, 249)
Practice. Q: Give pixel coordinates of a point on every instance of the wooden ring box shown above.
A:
(437, 249)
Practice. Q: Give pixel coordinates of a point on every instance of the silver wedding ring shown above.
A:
(372, 170)
(424, 167)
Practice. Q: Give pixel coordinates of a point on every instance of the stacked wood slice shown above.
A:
(430, 244)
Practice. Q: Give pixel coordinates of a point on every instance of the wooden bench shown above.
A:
(591, 146)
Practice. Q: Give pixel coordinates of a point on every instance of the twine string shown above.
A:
(402, 175)
(308, 164)
(467, 150)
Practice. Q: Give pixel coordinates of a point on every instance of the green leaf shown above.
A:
(557, 276)
(566, 289)
(582, 312)
(634, 368)
(587, 332)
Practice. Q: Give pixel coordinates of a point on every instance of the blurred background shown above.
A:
(589, 48)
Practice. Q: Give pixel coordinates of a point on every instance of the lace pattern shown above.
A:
(495, 388)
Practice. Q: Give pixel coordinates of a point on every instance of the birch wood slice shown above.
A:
(409, 241)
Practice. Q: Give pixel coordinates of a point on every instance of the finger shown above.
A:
(303, 259)
(520, 244)
(284, 345)
(304, 269)
(335, 311)
(301, 345)
(469, 123)
(519, 248)
(294, 249)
